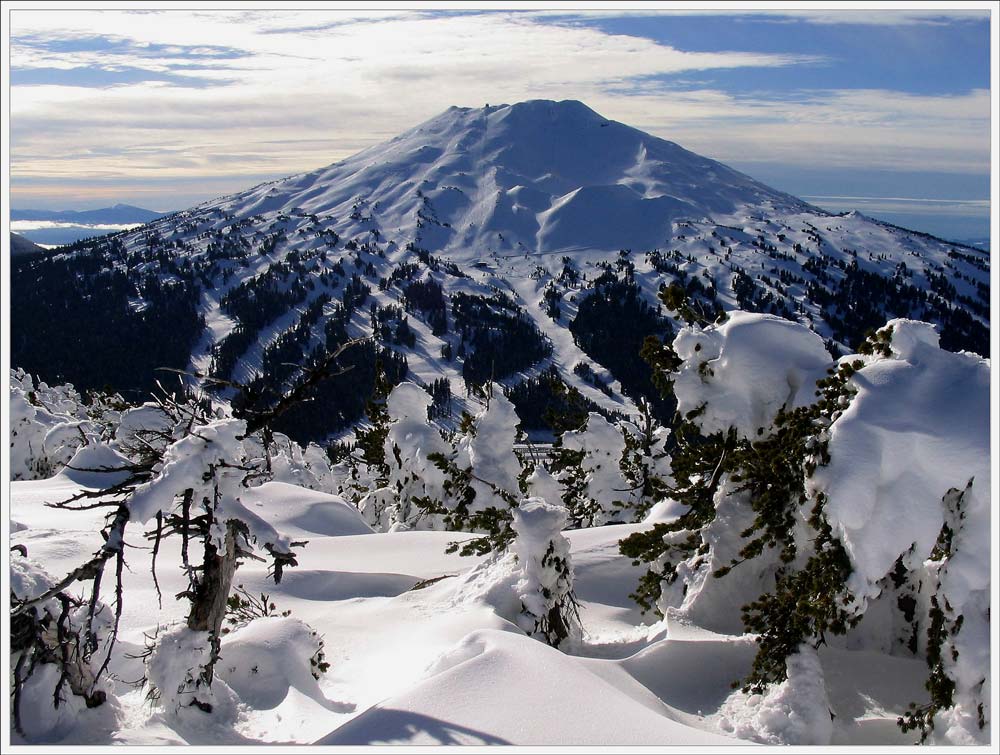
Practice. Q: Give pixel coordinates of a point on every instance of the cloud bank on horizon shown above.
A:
(166, 108)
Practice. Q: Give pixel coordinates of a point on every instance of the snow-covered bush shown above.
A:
(57, 653)
(410, 443)
(545, 586)
(850, 491)
(48, 424)
(588, 465)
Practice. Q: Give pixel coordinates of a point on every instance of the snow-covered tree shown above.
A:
(811, 485)
(482, 476)
(197, 493)
(588, 465)
(646, 461)
(414, 484)
(545, 586)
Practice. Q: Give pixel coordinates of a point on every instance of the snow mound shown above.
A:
(559, 702)
(88, 465)
(795, 712)
(265, 659)
(299, 512)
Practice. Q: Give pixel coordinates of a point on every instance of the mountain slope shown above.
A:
(20, 246)
(524, 243)
(541, 176)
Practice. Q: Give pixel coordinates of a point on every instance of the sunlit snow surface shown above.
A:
(438, 665)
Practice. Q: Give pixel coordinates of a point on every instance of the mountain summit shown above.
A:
(536, 176)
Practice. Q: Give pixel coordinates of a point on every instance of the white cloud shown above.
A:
(340, 82)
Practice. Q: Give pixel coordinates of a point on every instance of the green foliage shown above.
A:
(643, 455)
(698, 463)
(804, 605)
(459, 516)
(242, 608)
(663, 360)
(877, 342)
(371, 439)
(677, 298)
(774, 470)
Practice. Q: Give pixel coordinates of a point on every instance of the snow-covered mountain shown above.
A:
(505, 242)
(537, 176)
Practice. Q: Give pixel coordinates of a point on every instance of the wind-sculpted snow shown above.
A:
(910, 456)
(743, 371)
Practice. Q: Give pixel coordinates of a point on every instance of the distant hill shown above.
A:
(119, 214)
(21, 247)
(59, 227)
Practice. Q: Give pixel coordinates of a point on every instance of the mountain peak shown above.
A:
(537, 176)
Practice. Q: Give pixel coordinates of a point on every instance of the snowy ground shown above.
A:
(440, 664)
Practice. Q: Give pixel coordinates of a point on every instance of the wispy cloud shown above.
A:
(844, 17)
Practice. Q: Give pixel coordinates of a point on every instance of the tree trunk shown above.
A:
(208, 606)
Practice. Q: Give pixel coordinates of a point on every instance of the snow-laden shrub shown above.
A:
(286, 461)
(176, 676)
(860, 502)
(588, 466)
(412, 475)
(56, 654)
(545, 585)
(48, 424)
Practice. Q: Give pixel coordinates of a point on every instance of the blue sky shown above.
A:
(882, 111)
